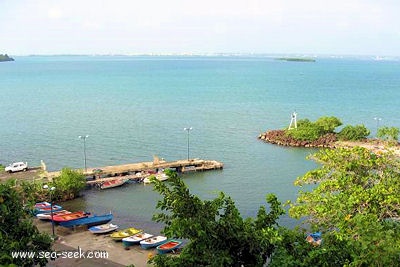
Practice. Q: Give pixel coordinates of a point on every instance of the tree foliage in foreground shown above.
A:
(17, 232)
(356, 203)
(217, 234)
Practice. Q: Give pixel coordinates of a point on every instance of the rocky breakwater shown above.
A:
(279, 137)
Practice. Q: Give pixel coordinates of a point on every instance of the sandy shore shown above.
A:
(81, 238)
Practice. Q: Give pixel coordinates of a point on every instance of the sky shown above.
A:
(312, 27)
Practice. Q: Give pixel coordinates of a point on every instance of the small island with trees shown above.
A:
(296, 59)
(321, 134)
(5, 57)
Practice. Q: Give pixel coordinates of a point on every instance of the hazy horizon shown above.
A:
(121, 27)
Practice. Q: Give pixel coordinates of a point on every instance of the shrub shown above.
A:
(328, 124)
(69, 184)
(388, 133)
(353, 133)
(310, 131)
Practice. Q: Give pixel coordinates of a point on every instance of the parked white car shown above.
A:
(16, 167)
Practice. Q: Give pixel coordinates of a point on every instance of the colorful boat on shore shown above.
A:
(113, 183)
(70, 216)
(168, 246)
(47, 209)
(314, 238)
(104, 228)
(88, 221)
(153, 242)
(47, 216)
(42, 204)
(118, 236)
(135, 239)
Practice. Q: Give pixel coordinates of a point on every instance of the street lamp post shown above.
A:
(83, 137)
(51, 206)
(188, 139)
(377, 124)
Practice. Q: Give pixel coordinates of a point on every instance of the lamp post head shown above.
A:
(53, 188)
(83, 136)
(45, 186)
(187, 129)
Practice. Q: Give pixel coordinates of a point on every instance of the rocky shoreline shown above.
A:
(278, 137)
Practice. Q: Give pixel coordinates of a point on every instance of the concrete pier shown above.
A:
(141, 170)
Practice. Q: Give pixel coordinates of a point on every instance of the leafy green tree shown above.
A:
(328, 124)
(310, 131)
(69, 184)
(353, 133)
(355, 202)
(217, 234)
(306, 131)
(17, 232)
(295, 251)
(388, 133)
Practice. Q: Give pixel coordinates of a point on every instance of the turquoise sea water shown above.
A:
(135, 107)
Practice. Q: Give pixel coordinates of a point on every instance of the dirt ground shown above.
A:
(29, 175)
(70, 240)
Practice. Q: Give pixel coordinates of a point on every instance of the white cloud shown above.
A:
(54, 13)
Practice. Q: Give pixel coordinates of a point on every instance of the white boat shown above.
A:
(135, 239)
(47, 216)
(153, 241)
(159, 176)
(104, 228)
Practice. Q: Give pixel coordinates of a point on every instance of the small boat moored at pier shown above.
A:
(159, 176)
(113, 183)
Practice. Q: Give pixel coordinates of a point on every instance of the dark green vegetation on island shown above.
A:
(354, 206)
(5, 58)
(296, 59)
(320, 133)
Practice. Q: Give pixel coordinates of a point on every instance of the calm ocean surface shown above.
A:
(135, 107)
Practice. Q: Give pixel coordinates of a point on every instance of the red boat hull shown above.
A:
(70, 216)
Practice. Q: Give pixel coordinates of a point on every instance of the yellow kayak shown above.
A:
(125, 233)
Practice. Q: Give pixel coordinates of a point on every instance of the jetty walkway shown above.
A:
(141, 170)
